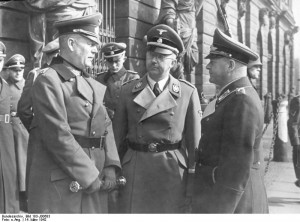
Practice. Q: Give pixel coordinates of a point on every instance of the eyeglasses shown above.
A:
(159, 57)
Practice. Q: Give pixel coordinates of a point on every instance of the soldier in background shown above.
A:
(293, 129)
(14, 67)
(9, 195)
(116, 76)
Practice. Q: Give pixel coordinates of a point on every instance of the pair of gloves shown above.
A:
(107, 183)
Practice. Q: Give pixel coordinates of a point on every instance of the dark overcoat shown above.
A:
(113, 82)
(20, 132)
(70, 120)
(9, 191)
(293, 130)
(156, 181)
(228, 171)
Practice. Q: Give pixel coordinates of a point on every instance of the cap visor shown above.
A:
(93, 38)
(163, 51)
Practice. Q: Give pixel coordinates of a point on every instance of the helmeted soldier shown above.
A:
(157, 129)
(116, 76)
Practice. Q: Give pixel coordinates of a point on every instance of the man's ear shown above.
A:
(71, 43)
(173, 63)
(231, 64)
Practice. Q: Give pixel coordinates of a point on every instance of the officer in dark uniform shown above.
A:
(9, 195)
(73, 133)
(116, 76)
(228, 171)
(157, 129)
(14, 67)
(293, 129)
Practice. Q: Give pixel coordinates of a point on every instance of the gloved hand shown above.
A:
(95, 186)
(109, 177)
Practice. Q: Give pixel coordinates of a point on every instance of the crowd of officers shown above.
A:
(148, 128)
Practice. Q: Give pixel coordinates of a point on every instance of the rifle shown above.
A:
(224, 19)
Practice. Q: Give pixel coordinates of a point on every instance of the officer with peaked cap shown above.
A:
(14, 67)
(157, 129)
(253, 70)
(9, 198)
(116, 76)
(228, 171)
(73, 133)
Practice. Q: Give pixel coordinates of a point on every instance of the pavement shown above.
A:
(283, 194)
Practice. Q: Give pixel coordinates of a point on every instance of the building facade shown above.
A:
(266, 26)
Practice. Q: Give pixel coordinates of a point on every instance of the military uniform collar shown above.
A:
(64, 70)
(19, 84)
(173, 85)
(233, 86)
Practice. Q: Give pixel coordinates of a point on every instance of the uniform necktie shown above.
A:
(156, 89)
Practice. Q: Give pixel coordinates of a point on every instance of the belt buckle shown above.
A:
(6, 118)
(152, 147)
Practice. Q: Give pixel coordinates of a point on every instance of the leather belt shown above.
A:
(5, 118)
(153, 147)
(93, 143)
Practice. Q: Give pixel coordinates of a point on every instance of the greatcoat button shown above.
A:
(86, 105)
(172, 113)
(93, 133)
(92, 147)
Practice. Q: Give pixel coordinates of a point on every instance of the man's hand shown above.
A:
(95, 186)
(109, 177)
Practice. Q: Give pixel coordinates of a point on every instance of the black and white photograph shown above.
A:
(149, 109)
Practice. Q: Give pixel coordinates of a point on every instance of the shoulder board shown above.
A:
(132, 72)
(187, 82)
(41, 71)
(101, 73)
(131, 80)
(240, 91)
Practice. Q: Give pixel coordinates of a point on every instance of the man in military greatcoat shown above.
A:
(228, 169)
(293, 130)
(116, 76)
(9, 189)
(14, 67)
(157, 129)
(75, 145)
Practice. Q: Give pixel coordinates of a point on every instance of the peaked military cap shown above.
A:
(16, 61)
(51, 46)
(225, 46)
(2, 49)
(87, 26)
(113, 49)
(164, 39)
(252, 63)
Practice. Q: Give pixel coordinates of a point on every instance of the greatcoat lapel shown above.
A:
(152, 104)
(97, 95)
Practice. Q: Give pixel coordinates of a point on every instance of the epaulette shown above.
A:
(240, 91)
(42, 71)
(187, 82)
(132, 72)
(101, 73)
(129, 81)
